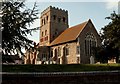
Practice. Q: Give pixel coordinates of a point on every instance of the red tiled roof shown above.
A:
(69, 34)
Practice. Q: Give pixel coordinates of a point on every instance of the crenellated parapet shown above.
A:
(53, 8)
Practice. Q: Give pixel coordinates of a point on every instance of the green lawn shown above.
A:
(60, 68)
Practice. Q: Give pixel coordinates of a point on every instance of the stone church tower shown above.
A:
(53, 22)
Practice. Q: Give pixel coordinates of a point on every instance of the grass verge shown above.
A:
(60, 68)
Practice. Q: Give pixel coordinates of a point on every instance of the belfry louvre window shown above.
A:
(59, 19)
(63, 19)
(54, 17)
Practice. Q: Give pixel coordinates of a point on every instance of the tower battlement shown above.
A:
(53, 8)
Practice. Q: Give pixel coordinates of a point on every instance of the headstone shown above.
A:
(92, 61)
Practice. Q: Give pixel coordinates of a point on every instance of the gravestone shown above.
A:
(92, 61)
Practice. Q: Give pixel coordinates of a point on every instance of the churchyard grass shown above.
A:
(60, 68)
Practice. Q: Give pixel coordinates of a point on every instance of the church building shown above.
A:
(60, 44)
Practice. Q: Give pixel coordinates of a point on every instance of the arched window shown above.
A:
(42, 22)
(42, 34)
(47, 18)
(90, 42)
(67, 51)
(45, 32)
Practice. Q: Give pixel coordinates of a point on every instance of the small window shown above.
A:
(42, 34)
(63, 19)
(56, 32)
(54, 17)
(47, 18)
(44, 20)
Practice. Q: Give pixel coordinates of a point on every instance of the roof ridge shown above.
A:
(80, 24)
(86, 22)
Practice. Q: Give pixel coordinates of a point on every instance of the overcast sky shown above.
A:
(78, 11)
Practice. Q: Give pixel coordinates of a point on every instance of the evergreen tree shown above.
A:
(16, 20)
